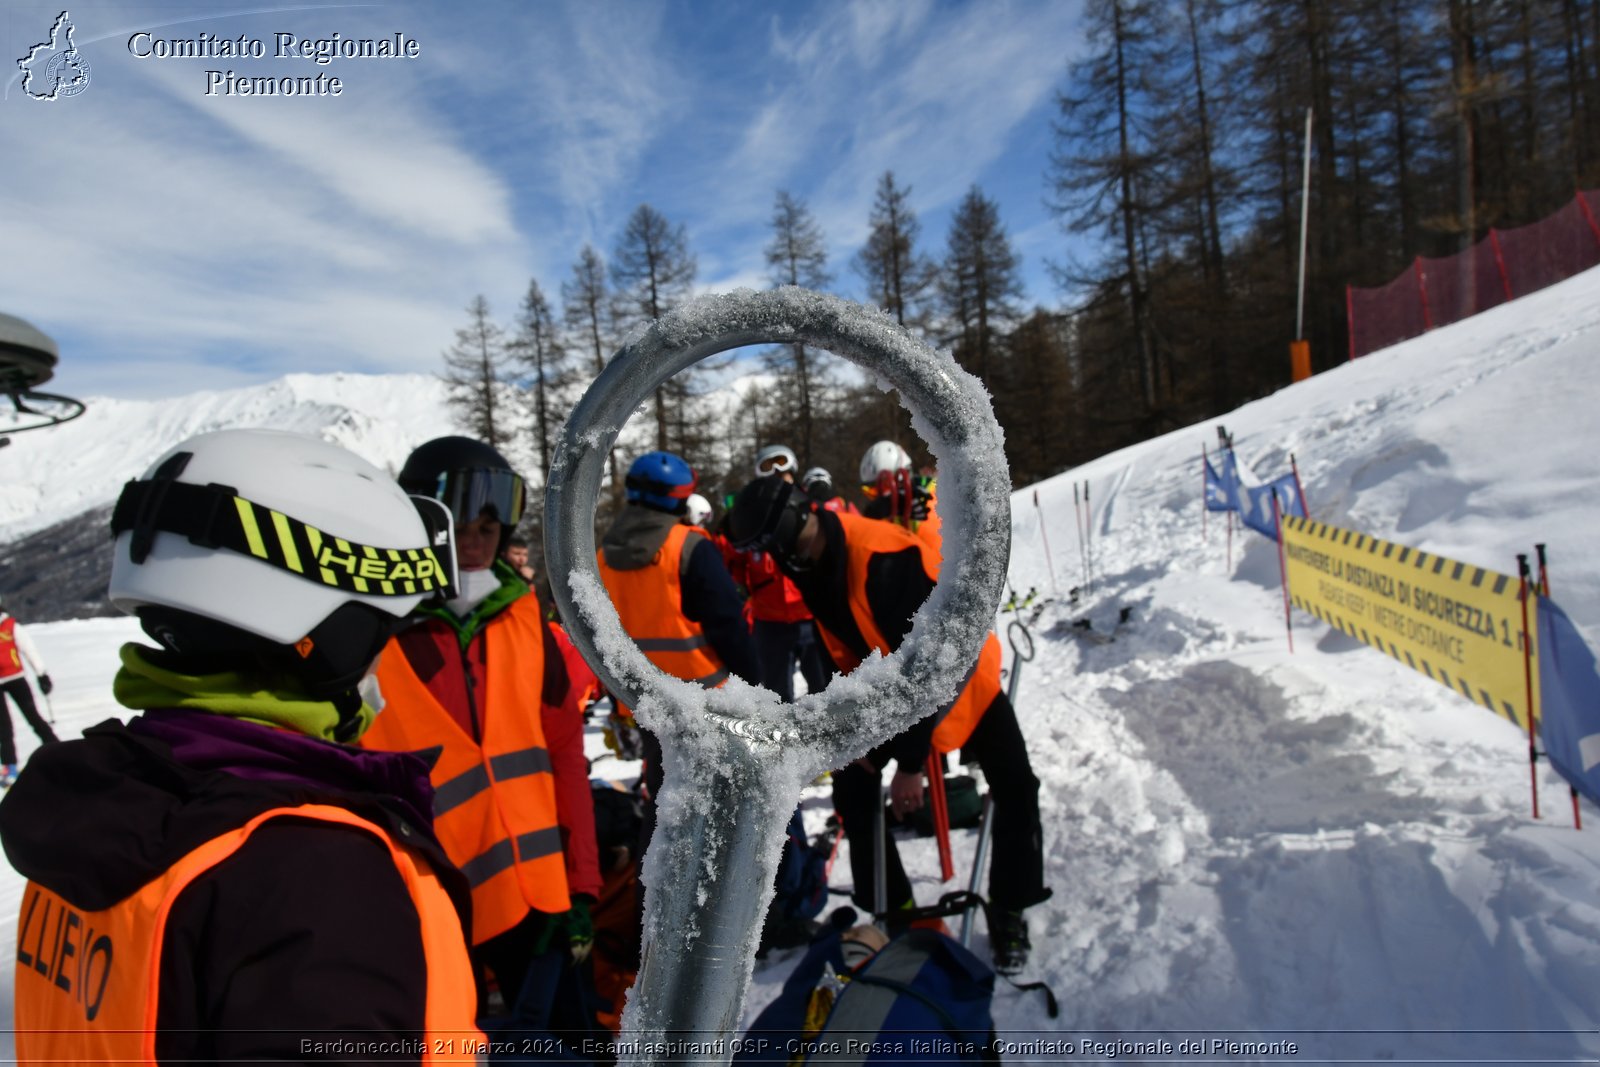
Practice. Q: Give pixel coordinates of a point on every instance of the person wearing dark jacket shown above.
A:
(225, 865)
(482, 678)
(864, 579)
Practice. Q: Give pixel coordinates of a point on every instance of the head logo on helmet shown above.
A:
(660, 480)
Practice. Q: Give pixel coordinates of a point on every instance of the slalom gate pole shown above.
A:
(1544, 590)
(1088, 532)
(1205, 462)
(941, 814)
(1230, 542)
(1283, 569)
(1527, 678)
(1083, 555)
(1044, 537)
(1295, 467)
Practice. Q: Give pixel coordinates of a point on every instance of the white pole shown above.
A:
(1305, 211)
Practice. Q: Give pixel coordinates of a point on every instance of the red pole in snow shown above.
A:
(1042, 536)
(1304, 503)
(1527, 678)
(941, 815)
(1283, 569)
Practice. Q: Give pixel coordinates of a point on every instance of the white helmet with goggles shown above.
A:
(775, 459)
(306, 555)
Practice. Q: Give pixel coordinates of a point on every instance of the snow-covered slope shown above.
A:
(1246, 845)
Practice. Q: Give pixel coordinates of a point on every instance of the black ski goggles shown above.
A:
(472, 494)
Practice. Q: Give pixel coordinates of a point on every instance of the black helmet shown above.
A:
(470, 478)
(767, 516)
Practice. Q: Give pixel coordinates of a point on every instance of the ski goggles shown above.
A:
(215, 516)
(473, 494)
(779, 464)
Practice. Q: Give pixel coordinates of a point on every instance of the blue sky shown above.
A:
(173, 241)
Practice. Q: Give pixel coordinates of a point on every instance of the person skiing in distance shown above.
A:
(817, 484)
(482, 678)
(864, 579)
(17, 648)
(222, 879)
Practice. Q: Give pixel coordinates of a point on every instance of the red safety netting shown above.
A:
(1505, 265)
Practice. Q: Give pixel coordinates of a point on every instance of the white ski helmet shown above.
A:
(883, 456)
(775, 459)
(272, 533)
(699, 510)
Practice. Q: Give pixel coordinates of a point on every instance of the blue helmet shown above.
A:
(662, 481)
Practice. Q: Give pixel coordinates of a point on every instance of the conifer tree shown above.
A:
(980, 285)
(476, 369)
(798, 255)
(587, 313)
(897, 276)
(653, 271)
(538, 348)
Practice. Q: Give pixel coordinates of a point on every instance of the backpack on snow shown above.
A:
(803, 870)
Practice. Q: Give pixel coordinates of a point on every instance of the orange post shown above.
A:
(941, 815)
(1300, 360)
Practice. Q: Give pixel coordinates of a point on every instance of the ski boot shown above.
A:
(1008, 940)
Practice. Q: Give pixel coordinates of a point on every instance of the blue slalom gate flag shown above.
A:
(1222, 489)
(1255, 504)
(1569, 701)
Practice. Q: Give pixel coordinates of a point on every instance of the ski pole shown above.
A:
(880, 860)
(1018, 658)
(1043, 536)
(1527, 675)
(985, 831)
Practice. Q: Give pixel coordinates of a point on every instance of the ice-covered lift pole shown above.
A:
(736, 758)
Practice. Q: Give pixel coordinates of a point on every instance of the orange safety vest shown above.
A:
(866, 538)
(649, 601)
(87, 981)
(10, 654)
(494, 803)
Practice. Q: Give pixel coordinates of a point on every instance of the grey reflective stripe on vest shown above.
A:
(532, 846)
(671, 644)
(711, 681)
(468, 784)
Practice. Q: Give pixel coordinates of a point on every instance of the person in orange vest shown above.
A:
(224, 878)
(482, 678)
(864, 579)
(16, 647)
(672, 592)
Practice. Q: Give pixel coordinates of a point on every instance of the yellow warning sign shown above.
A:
(1458, 624)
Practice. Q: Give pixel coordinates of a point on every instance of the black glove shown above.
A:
(45, 684)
